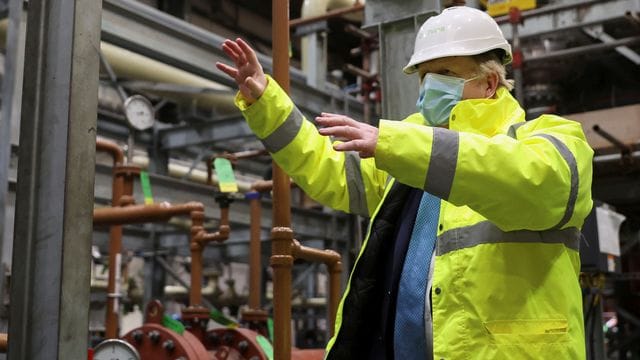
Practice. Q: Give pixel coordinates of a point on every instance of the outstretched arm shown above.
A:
(247, 72)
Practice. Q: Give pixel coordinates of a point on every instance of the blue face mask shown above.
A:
(438, 95)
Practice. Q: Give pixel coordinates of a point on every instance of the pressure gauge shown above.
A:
(139, 112)
(115, 349)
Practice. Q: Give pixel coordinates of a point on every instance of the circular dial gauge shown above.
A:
(139, 112)
(115, 349)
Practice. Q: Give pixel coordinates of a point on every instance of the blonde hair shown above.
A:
(489, 62)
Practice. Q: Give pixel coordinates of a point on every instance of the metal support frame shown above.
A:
(9, 120)
(150, 32)
(397, 23)
(563, 17)
(50, 298)
(597, 32)
(225, 129)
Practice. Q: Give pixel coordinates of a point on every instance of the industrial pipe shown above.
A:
(281, 234)
(112, 148)
(333, 261)
(255, 266)
(199, 239)
(138, 214)
(624, 148)
(121, 194)
(197, 316)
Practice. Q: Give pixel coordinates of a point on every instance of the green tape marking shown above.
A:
(270, 328)
(266, 346)
(219, 317)
(146, 187)
(226, 178)
(172, 324)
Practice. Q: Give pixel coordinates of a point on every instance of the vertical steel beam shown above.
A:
(9, 118)
(398, 23)
(54, 205)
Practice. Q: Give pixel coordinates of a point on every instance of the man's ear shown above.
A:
(492, 85)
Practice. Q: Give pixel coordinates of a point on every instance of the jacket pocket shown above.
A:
(528, 331)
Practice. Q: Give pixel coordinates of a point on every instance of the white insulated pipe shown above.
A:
(132, 66)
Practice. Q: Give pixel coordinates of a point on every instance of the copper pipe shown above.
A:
(121, 193)
(255, 265)
(328, 15)
(4, 339)
(112, 148)
(267, 185)
(281, 234)
(281, 262)
(248, 154)
(199, 239)
(334, 266)
(137, 214)
(117, 216)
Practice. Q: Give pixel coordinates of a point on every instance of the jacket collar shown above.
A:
(487, 116)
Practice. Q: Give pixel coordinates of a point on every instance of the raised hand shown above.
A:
(247, 72)
(360, 137)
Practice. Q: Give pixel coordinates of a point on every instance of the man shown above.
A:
(472, 248)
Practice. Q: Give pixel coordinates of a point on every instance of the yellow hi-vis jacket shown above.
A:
(515, 194)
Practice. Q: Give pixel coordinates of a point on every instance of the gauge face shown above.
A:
(115, 349)
(139, 112)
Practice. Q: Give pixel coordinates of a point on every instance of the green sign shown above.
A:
(226, 179)
(146, 187)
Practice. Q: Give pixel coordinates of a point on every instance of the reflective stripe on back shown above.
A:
(285, 133)
(487, 233)
(442, 166)
(355, 184)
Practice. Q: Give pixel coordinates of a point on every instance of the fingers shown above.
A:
(362, 147)
(248, 52)
(231, 71)
(346, 132)
(229, 51)
(328, 119)
(235, 49)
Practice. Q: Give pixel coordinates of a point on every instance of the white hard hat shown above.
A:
(457, 31)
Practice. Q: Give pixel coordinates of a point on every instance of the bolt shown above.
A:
(154, 335)
(169, 345)
(213, 339)
(137, 336)
(228, 338)
(243, 346)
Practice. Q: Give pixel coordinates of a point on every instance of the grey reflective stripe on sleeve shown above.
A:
(355, 184)
(487, 233)
(442, 165)
(285, 133)
(573, 167)
(513, 128)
